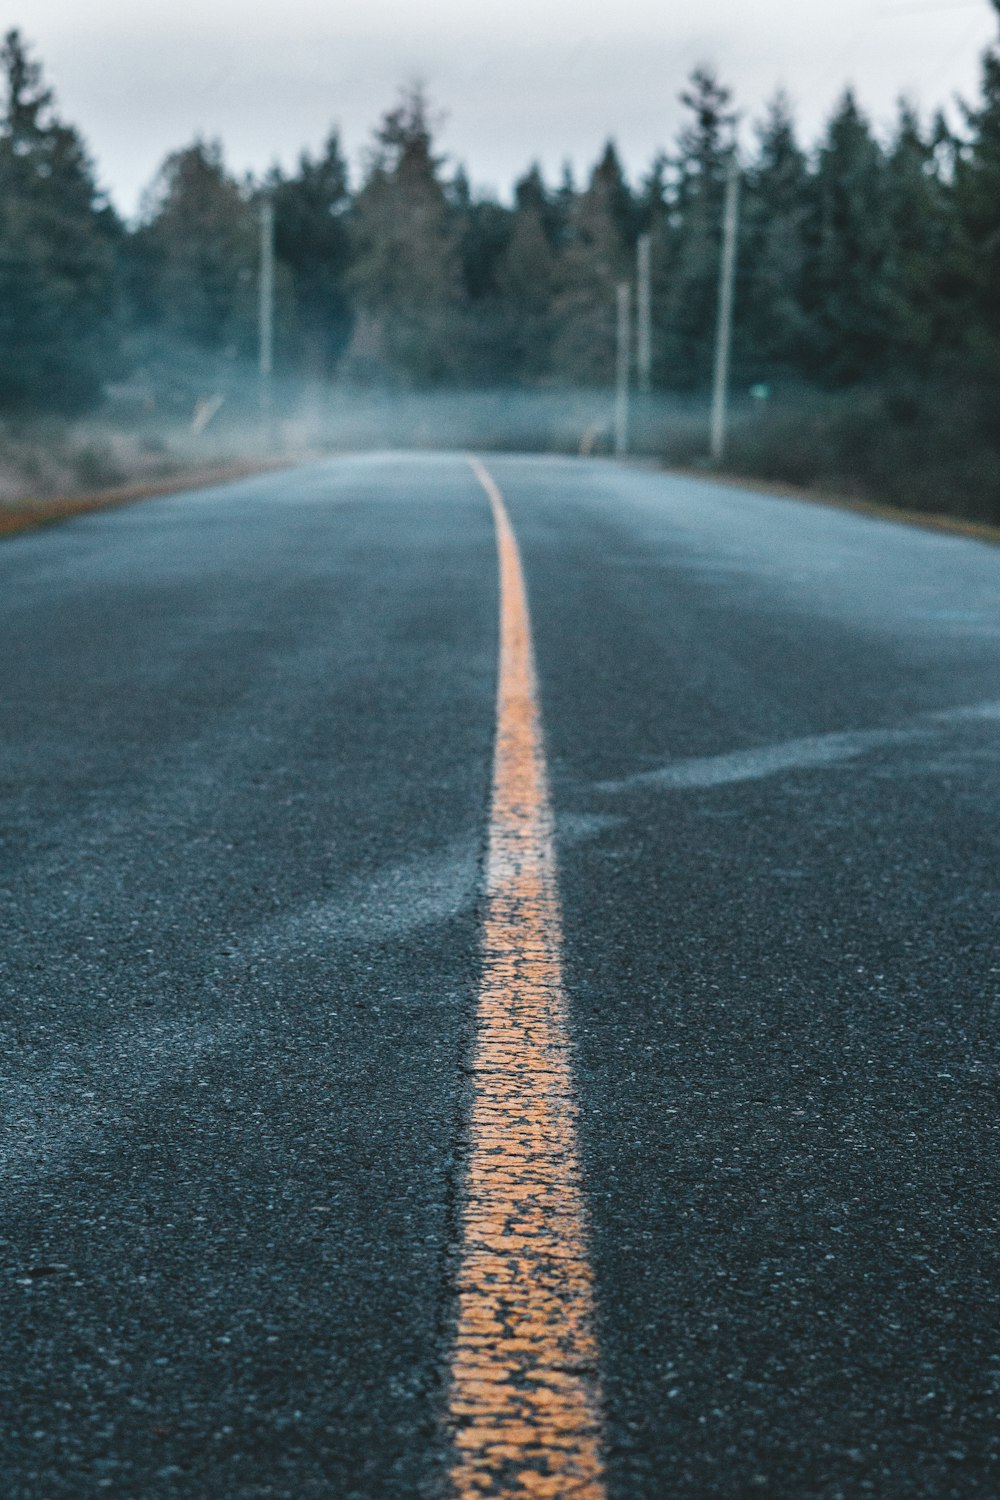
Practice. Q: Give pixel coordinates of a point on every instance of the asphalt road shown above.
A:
(245, 758)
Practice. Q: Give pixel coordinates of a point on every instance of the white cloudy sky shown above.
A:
(517, 78)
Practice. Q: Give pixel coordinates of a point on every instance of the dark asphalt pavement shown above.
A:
(245, 741)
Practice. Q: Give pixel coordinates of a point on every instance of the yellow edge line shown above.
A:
(524, 1403)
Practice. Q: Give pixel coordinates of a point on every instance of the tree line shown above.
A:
(861, 259)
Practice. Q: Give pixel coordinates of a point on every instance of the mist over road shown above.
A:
(246, 750)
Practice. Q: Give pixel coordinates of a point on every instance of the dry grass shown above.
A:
(52, 470)
(25, 515)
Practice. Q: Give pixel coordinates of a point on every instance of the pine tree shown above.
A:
(704, 148)
(975, 283)
(609, 177)
(652, 201)
(563, 209)
(653, 217)
(59, 241)
(849, 233)
(406, 279)
(531, 195)
(484, 229)
(527, 281)
(197, 253)
(312, 241)
(921, 237)
(595, 259)
(772, 329)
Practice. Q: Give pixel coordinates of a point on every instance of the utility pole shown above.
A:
(623, 366)
(265, 308)
(644, 313)
(724, 327)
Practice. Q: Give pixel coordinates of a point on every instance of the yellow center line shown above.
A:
(524, 1404)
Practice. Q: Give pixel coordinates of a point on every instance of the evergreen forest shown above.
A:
(866, 353)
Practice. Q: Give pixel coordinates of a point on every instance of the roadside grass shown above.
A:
(923, 452)
(28, 514)
(52, 470)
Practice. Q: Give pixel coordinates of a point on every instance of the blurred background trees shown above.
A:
(406, 271)
(859, 260)
(60, 253)
(194, 254)
(868, 288)
(313, 243)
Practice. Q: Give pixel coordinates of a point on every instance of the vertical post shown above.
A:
(623, 364)
(644, 313)
(724, 326)
(265, 307)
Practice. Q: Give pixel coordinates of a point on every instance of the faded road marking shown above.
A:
(809, 753)
(524, 1404)
(988, 712)
(389, 903)
(765, 760)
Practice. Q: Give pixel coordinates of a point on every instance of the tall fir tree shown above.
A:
(59, 245)
(704, 147)
(562, 208)
(527, 282)
(312, 241)
(406, 279)
(772, 329)
(483, 228)
(531, 195)
(653, 217)
(595, 259)
(975, 279)
(197, 255)
(921, 238)
(849, 243)
(609, 178)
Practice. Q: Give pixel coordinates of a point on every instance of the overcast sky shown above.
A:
(516, 79)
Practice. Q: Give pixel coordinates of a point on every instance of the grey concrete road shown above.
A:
(245, 744)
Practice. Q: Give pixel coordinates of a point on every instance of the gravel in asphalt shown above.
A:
(244, 775)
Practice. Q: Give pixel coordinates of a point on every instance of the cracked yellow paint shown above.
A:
(525, 1401)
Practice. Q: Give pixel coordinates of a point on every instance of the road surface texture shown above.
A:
(258, 944)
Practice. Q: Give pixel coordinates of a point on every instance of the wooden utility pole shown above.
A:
(724, 326)
(623, 366)
(265, 305)
(644, 313)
